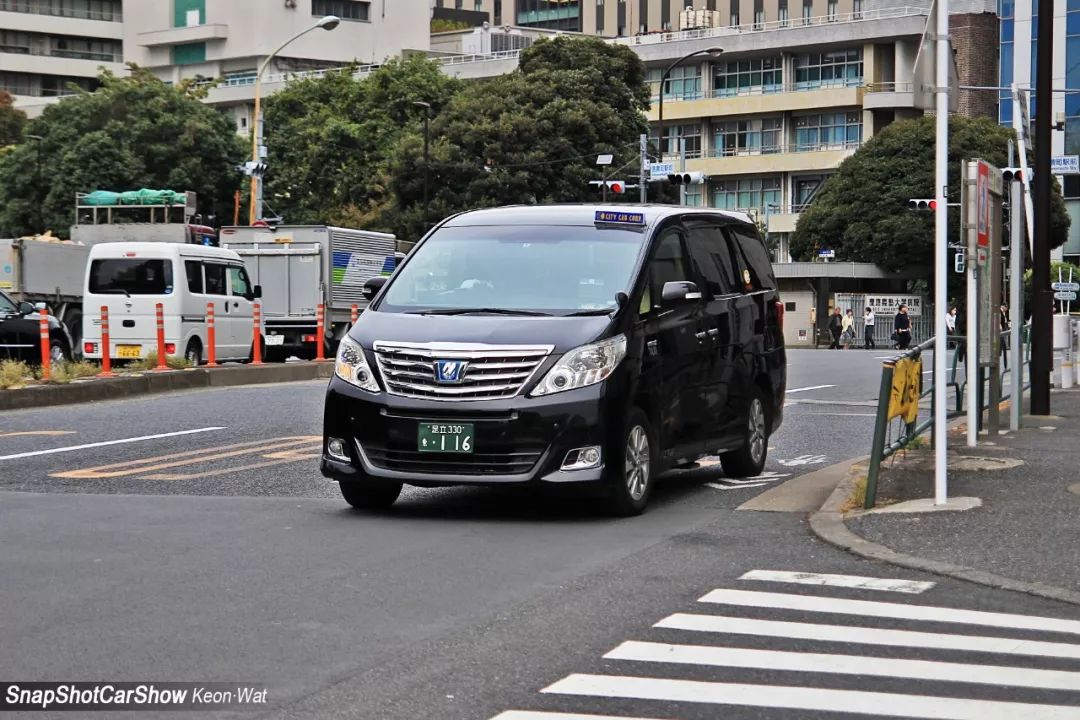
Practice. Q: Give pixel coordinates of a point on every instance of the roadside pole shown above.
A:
(643, 146)
(682, 169)
(1016, 301)
(941, 251)
(971, 362)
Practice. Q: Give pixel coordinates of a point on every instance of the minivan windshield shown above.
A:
(517, 269)
(131, 276)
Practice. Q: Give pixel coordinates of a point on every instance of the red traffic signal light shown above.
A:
(922, 204)
(1010, 174)
(617, 186)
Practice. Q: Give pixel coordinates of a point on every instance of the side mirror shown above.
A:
(257, 292)
(373, 286)
(680, 293)
(26, 308)
(399, 257)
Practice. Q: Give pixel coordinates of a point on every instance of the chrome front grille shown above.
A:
(492, 371)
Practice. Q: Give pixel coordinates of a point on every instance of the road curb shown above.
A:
(153, 383)
(828, 524)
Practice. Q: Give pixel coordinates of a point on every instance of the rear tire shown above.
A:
(631, 467)
(749, 459)
(370, 496)
(193, 353)
(57, 352)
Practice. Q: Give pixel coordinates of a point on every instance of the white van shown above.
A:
(131, 278)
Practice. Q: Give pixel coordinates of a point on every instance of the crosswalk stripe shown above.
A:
(871, 608)
(846, 581)
(800, 698)
(867, 636)
(535, 715)
(845, 665)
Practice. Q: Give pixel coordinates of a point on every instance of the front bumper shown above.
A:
(517, 440)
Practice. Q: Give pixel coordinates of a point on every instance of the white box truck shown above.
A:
(301, 266)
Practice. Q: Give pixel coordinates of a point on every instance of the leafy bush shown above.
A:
(174, 362)
(65, 372)
(14, 373)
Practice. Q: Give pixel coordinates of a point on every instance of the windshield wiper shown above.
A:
(116, 291)
(482, 311)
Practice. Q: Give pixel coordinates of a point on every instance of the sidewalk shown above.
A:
(1028, 526)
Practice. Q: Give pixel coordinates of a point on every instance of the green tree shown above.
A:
(12, 120)
(132, 132)
(329, 139)
(861, 211)
(531, 136)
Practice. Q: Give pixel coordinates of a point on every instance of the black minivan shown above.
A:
(561, 344)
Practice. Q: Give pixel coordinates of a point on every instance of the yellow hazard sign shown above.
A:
(906, 389)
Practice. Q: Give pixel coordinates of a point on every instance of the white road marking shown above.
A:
(867, 636)
(73, 448)
(533, 715)
(845, 665)
(804, 460)
(799, 698)
(739, 486)
(847, 581)
(805, 389)
(869, 608)
(842, 414)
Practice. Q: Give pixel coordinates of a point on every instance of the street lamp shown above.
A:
(37, 181)
(427, 164)
(714, 52)
(326, 23)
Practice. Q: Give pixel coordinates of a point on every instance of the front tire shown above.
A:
(57, 352)
(749, 459)
(370, 496)
(631, 467)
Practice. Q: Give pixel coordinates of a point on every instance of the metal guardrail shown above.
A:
(892, 434)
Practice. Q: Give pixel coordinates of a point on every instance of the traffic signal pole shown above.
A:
(941, 245)
(1042, 330)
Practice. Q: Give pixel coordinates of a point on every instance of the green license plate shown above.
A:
(445, 437)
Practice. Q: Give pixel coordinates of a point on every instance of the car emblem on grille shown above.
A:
(450, 372)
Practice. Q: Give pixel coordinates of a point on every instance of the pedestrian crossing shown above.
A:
(819, 649)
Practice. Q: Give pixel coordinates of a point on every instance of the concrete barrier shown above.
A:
(97, 389)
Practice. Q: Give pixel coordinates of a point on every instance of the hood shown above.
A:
(565, 333)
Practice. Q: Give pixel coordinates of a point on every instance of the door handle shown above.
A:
(713, 332)
(652, 347)
(700, 335)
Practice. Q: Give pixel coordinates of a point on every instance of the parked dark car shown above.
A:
(561, 344)
(20, 333)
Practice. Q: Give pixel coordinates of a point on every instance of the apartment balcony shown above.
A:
(20, 18)
(889, 96)
(183, 35)
(769, 161)
(791, 97)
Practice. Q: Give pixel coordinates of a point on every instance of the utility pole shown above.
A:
(943, 60)
(1042, 329)
(643, 143)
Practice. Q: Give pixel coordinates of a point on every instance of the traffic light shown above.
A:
(252, 168)
(922, 204)
(686, 178)
(616, 186)
(959, 262)
(1012, 173)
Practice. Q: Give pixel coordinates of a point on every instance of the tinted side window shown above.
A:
(215, 279)
(193, 268)
(710, 250)
(755, 258)
(668, 264)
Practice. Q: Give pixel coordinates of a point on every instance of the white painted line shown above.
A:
(739, 486)
(812, 387)
(846, 665)
(73, 448)
(843, 415)
(868, 608)
(800, 698)
(534, 715)
(913, 587)
(867, 636)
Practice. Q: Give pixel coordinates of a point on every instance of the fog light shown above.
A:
(335, 448)
(582, 458)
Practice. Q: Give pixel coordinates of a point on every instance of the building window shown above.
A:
(838, 68)
(828, 131)
(620, 18)
(759, 136)
(807, 11)
(643, 16)
(358, 10)
(599, 17)
(856, 8)
(747, 193)
(747, 77)
(759, 14)
(104, 10)
(830, 9)
(674, 134)
(782, 14)
(189, 54)
(665, 14)
(693, 195)
(684, 83)
(497, 12)
(803, 190)
(734, 10)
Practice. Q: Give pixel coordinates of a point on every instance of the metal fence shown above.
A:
(922, 325)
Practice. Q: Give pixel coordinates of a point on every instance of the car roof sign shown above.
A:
(619, 217)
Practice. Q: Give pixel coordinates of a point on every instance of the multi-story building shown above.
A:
(1019, 29)
(50, 47)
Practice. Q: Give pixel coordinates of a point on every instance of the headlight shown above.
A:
(583, 366)
(352, 366)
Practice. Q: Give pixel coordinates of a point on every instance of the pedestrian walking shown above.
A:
(836, 327)
(950, 326)
(902, 329)
(868, 329)
(848, 329)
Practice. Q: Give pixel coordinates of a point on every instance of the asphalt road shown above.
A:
(220, 554)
